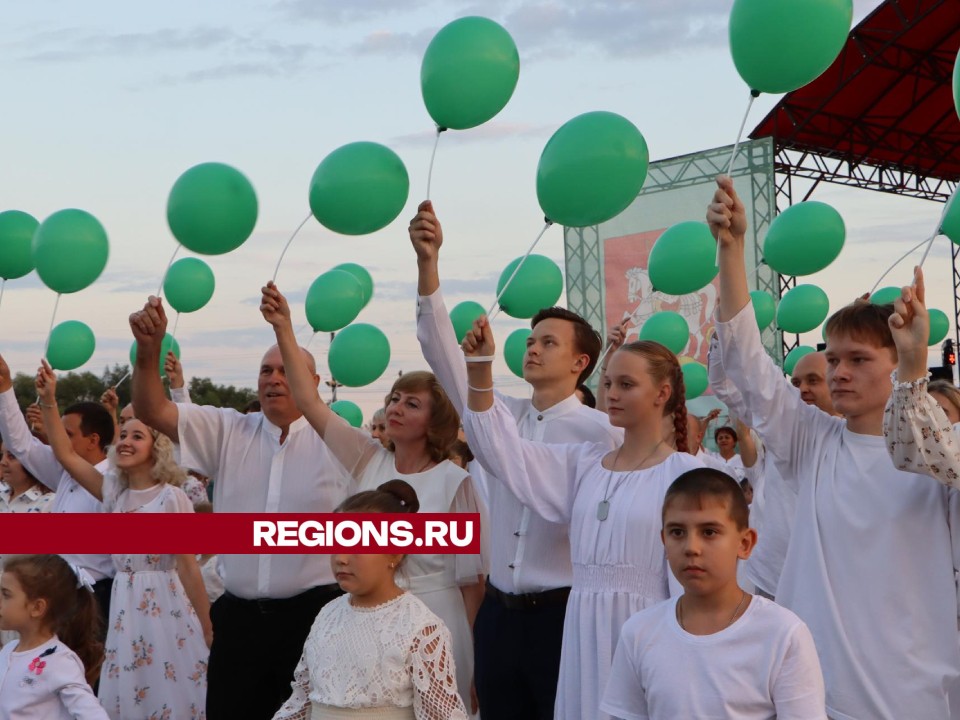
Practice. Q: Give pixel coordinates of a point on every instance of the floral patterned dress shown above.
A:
(156, 658)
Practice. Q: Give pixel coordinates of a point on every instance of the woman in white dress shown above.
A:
(159, 633)
(378, 651)
(611, 499)
(422, 424)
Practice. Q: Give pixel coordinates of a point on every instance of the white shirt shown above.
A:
(255, 473)
(59, 692)
(40, 462)
(31, 500)
(870, 566)
(527, 553)
(763, 666)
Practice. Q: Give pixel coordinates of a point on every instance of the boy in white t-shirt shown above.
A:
(715, 651)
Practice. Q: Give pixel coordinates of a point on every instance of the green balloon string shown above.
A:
(164, 278)
(495, 308)
(46, 345)
(899, 260)
(3, 286)
(946, 206)
(173, 333)
(307, 346)
(736, 147)
(433, 156)
(299, 227)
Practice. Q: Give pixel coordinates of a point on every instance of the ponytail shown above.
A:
(72, 611)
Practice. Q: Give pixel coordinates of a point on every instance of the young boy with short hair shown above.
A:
(715, 651)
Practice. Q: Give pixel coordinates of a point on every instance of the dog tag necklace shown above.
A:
(603, 507)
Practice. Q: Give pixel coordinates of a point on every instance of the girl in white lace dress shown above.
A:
(376, 652)
(422, 425)
(157, 641)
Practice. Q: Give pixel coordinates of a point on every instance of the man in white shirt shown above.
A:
(519, 628)
(264, 462)
(870, 566)
(90, 429)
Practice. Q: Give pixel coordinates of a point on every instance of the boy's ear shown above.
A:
(748, 541)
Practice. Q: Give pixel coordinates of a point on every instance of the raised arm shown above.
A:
(920, 437)
(615, 338)
(150, 402)
(89, 478)
(351, 446)
(36, 457)
(174, 370)
(438, 340)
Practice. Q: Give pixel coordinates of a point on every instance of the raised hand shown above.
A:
(426, 235)
(35, 422)
(910, 327)
(174, 370)
(110, 401)
(478, 342)
(46, 384)
(6, 381)
(726, 215)
(149, 326)
(274, 306)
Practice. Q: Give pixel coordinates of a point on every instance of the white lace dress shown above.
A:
(392, 661)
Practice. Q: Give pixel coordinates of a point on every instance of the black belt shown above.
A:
(268, 606)
(529, 601)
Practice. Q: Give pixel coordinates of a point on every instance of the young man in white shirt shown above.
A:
(741, 656)
(519, 628)
(264, 462)
(870, 566)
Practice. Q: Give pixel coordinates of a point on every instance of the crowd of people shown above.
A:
(806, 569)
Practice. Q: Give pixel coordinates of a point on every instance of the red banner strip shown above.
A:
(239, 533)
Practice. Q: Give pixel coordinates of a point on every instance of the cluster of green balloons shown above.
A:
(683, 259)
(359, 354)
(537, 285)
(189, 285)
(16, 236)
(802, 309)
(668, 328)
(169, 344)
(212, 209)
(591, 169)
(362, 276)
(781, 45)
(333, 301)
(349, 411)
(359, 188)
(71, 345)
(804, 239)
(69, 250)
(469, 72)
(514, 349)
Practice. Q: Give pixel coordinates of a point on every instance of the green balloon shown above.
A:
(537, 285)
(939, 326)
(349, 411)
(591, 169)
(764, 308)
(951, 219)
(212, 209)
(71, 345)
(802, 309)
(359, 354)
(804, 239)
(514, 350)
(359, 188)
(781, 45)
(790, 361)
(668, 328)
(169, 344)
(189, 285)
(69, 250)
(16, 235)
(462, 317)
(333, 301)
(363, 277)
(469, 72)
(683, 259)
(956, 84)
(694, 379)
(886, 296)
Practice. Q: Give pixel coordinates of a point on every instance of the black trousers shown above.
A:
(102, 589)
(256, 647)
(517, 660)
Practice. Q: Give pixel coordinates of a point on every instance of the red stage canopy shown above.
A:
(887, 101)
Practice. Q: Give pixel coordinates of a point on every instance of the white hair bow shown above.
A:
(84, 579)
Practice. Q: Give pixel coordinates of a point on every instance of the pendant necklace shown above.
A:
(603, 507)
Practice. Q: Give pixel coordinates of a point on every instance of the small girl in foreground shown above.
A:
(42, 676)
(376, 652)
